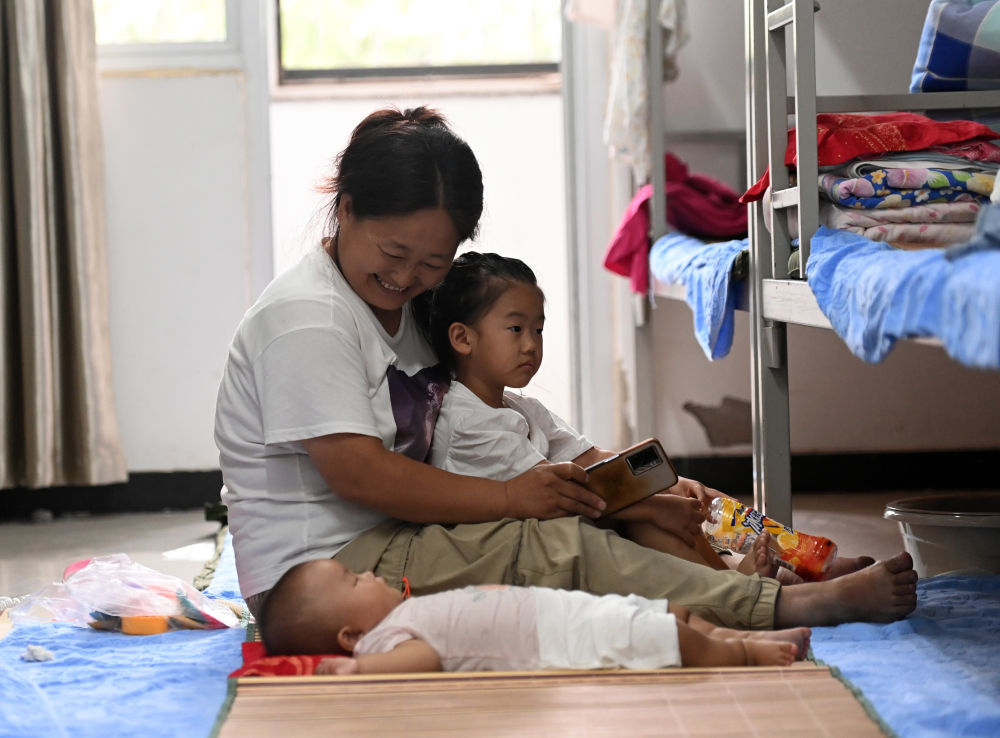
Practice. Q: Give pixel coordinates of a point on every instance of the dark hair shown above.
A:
(473, 284)
(401, 162)
(292, 620)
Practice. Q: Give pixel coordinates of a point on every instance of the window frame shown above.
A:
(404, 75)
(225, 54)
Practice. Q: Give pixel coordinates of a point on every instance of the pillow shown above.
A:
(959, 47)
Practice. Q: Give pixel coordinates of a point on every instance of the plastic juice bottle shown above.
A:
(735, 526)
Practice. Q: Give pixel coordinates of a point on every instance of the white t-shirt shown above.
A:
(309, 359)
(499, 443)
(500, 628)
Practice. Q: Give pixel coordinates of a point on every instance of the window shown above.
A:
(319, 39)
(121, 22)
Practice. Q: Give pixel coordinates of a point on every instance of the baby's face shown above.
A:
(362, 600)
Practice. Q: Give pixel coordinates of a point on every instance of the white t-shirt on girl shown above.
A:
(499, 443)
(310, 359)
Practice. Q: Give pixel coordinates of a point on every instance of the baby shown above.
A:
(322, 607)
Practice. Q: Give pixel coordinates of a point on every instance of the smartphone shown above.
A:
(631, 475)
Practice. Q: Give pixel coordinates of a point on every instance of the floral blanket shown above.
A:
(903, 187)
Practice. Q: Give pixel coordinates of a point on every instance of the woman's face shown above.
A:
(390, 259)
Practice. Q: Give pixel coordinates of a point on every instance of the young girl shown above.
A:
(322, 607)
(485, 321)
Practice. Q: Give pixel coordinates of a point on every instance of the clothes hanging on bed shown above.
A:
(697, 205)
(626, 118)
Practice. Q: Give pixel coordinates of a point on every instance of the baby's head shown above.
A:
(473, 287)
(323, 607)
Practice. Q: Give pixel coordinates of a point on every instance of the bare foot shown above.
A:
(769, 653)
(880, 593)
(845, 565)
(799, 637)
(759, 559)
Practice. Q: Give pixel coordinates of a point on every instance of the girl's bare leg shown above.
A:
(650, 536)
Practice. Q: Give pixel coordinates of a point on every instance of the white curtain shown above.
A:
(57, 416)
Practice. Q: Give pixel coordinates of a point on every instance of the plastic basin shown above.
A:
(949, 532)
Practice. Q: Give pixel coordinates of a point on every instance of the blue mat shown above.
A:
(107, 684)
(934, 674)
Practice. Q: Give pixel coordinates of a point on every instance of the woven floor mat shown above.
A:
(805, 700)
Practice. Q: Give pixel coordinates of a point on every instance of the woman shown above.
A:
(326, 410)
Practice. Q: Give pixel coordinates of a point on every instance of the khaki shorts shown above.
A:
(565, 553)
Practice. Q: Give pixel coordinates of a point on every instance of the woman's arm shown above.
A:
(358, 468)
(408, 657)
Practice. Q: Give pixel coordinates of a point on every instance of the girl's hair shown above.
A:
(400, 162)
(474, 283)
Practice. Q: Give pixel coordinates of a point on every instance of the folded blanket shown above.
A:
(837, 216)
(874, 295)
(914, 235)
(959, 47)
(923, 159)
(705, 270)
(842, 137)
(897, 188)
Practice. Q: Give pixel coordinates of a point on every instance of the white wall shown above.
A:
(175, 157)
(917, 399)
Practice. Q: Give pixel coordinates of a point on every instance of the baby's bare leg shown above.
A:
(798, 637)
(700, 649)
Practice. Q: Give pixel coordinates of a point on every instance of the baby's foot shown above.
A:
(799, 637)
(769, 653)
(759, 559)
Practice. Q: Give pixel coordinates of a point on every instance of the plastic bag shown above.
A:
(115, 593)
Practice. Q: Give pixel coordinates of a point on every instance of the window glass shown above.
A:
(160, 21)
(403, 36)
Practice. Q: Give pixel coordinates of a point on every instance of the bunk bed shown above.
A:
(777, 300)
(780, 39)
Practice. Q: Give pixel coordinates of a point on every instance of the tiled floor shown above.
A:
(179, 543)
(35, 554)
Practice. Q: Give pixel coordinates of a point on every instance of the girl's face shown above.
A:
(505, 345)
(391, 259)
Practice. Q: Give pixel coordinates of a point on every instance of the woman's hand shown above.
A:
(550, 491)
(681, 516)
(692, 488)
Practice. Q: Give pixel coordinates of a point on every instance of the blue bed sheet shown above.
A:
(705, 270)
(105, 684)
(874, 294)
(935, 674)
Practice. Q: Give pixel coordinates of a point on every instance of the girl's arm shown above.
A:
(358, 468)
(408, 657)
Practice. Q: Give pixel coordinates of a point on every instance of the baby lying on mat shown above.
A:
(321, 607)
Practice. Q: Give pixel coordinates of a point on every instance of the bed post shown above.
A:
(768, 352)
